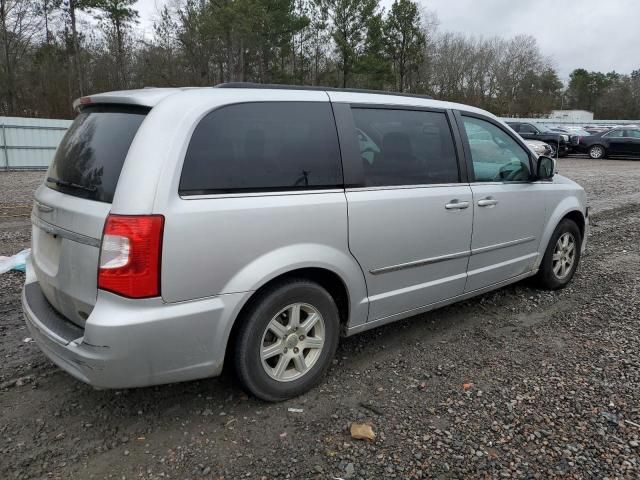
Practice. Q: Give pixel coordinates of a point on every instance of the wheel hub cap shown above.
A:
(292, 342)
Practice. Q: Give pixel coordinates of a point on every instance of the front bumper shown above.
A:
(134, 343)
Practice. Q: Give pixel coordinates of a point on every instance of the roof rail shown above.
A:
(276, 86)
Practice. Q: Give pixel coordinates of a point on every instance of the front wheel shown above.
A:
(287, 340)
(597, 152)
(561, 257)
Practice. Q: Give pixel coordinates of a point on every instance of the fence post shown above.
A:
(4, 147)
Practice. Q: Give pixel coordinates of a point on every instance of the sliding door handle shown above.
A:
(487, 202)
(456, 205)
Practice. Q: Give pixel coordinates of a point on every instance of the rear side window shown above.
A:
(90, 157)
(262, 147)
(405, 147)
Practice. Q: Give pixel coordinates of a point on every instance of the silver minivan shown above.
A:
(181, 229)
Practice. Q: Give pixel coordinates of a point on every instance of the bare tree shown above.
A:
(19, 25)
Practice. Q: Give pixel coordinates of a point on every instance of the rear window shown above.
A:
(90, 157)
(263, 147)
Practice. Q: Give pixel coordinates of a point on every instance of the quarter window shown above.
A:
(405, 147)
(495, 155)
(526, 128)
(263, 146)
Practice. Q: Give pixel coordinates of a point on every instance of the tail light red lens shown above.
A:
(131, 255)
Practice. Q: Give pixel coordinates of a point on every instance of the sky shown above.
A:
(599, 35)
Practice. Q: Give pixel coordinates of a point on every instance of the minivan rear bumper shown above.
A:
(134, 343)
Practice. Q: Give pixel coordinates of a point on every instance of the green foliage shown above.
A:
(350, 22)
(608, 95)
(52, 52)
(405, 41)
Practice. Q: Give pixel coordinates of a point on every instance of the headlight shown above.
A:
(565, 137)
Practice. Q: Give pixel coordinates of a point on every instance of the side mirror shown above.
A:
(546, 168)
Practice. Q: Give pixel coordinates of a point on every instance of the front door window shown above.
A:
(495, 155)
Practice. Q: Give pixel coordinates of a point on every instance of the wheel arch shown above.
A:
(328, 279)
(569, 208)
(578, 218)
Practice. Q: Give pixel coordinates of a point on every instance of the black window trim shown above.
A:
(459, 114)
(352, 164)
(242, 192)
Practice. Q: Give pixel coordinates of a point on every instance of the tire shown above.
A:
(282, 375)
(552, 275)
(597, 152)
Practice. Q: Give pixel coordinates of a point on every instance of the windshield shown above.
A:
(90, 157)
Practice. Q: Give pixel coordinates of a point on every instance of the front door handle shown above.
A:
(43, 208)
(487, 202)
(456, 205)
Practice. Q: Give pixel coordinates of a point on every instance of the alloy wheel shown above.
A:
(596, 152)
(564, 255)
(292, 342)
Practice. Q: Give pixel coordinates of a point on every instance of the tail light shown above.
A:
(131, 254)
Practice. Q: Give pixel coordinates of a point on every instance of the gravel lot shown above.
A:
(519, 383)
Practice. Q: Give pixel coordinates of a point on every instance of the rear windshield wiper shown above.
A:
(64, 183)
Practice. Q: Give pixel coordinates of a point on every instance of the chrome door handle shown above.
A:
(43, 208)
(456, 205)
(487, 202)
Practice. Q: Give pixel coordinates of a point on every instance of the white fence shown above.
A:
(29, 143)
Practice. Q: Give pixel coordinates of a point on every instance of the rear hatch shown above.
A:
(72, 205)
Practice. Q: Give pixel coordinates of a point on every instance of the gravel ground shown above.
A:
(518, 383)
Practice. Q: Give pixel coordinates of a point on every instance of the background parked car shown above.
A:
(617, 142)
(575, 133)
(539, 148)
(559, 142)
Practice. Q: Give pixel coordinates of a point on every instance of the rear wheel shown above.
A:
(287, 340)
(561, 257)
(597, 152)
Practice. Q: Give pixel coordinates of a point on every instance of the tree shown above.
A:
(19, 25)
(373, 66)
(349, 22)
(50, 53)
(405, 41)
(71, 9)
(119, 15)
